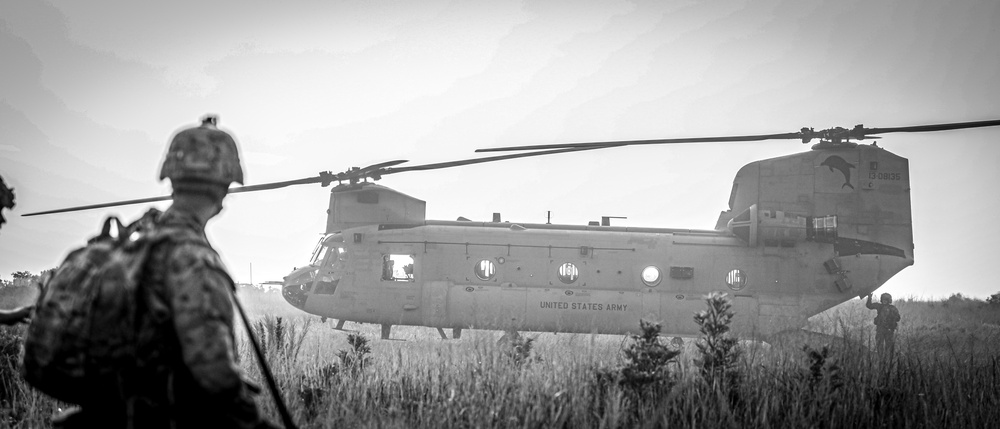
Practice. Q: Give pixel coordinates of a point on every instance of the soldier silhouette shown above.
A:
(886, 321)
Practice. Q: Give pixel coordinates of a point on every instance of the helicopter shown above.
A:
(802, 233)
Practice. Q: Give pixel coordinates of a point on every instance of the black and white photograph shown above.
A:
(499, 214)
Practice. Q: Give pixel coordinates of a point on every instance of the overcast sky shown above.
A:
(91, 92)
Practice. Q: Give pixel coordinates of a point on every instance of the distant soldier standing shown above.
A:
(886, 321)
(186, 374)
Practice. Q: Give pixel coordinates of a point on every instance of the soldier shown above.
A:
(886, 320)
(6, 200)
(186, 373)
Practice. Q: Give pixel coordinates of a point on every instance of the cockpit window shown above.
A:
(325, 244)
(397, 267)
(319, 255)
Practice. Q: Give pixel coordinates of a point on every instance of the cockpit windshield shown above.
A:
(329, 242)
(318, 254)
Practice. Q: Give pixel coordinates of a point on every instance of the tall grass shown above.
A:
(946, 373)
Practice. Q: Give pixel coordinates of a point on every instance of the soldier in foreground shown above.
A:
(186, 375)
(886, 320)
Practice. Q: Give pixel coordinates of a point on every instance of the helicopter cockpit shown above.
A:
(321, 275)
(328, 259)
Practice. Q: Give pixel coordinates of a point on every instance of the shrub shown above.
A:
(647, 359)
(646, 368)
(823, 373)
(355, 359)
(718, 351)
(280, 338)
(315, 384)
(994, 299)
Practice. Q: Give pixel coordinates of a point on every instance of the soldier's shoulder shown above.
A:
(189, 256)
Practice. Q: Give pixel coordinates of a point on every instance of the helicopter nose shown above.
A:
(296, 285)
(294, 294)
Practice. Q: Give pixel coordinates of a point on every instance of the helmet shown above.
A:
(202, 159)
(886, 298)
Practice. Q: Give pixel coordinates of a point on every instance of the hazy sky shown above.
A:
(91, 92)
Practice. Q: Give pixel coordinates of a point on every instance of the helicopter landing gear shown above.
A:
(386, 329)
(340, 326)
(456, 333)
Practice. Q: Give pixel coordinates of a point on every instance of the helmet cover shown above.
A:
(202, 155)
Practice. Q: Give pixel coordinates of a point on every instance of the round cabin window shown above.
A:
(568, 273)
(651, 276)
(736, 279)
(485, 270)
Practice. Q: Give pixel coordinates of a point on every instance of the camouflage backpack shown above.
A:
(82, 335)
(888, 318)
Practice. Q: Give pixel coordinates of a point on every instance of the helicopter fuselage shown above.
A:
(804, 233)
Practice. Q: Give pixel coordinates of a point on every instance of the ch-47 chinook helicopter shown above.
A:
(803, 233)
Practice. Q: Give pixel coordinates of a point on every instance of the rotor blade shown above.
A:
(934, 127)
(369, 171)
(100, 206)
(261, 187)
(617, 143)
(806, 134)
(384, 165)
(450, 164)
(276, 185)
(323, 177)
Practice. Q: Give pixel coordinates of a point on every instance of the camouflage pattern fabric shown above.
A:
(186, 373)
(81, 338)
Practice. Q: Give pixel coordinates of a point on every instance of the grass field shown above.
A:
(945, 373)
